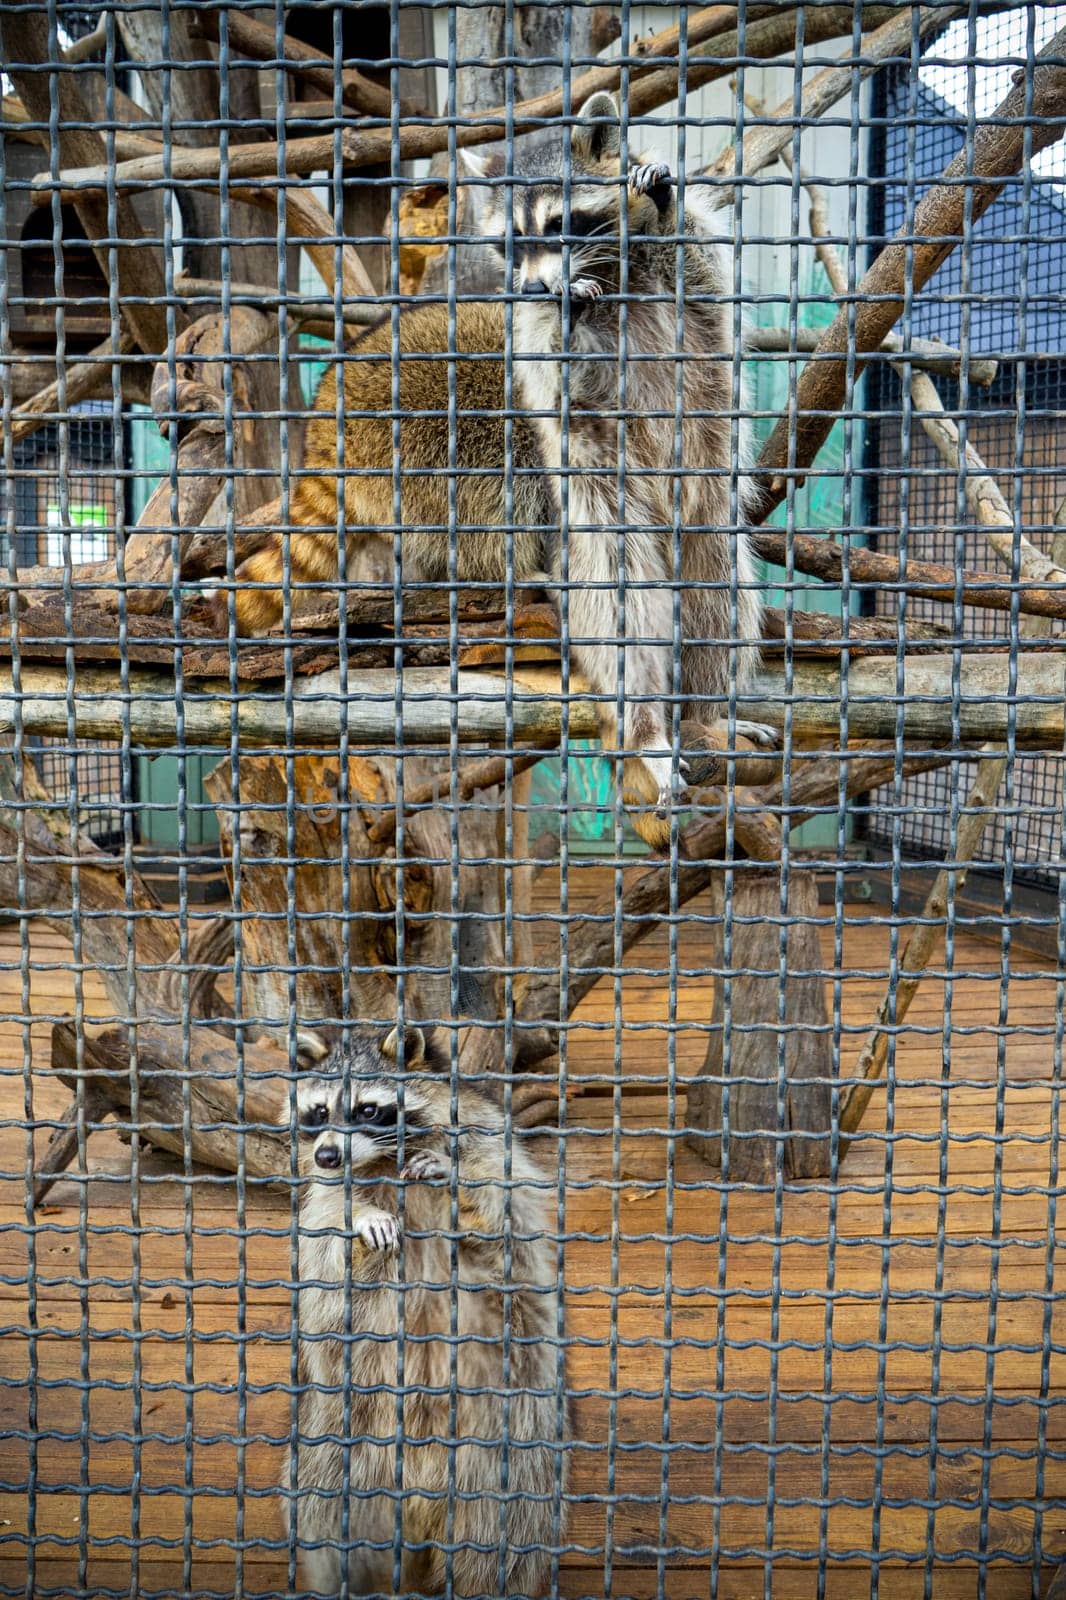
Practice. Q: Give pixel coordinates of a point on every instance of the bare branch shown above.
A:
(824, 558)
(650, 87)
(976, 813)
(129, 145)
(765, 143)
(928, 355)
(24, 46)
(258, 40)
(85, 379)
(1016, 132)
(983, 495)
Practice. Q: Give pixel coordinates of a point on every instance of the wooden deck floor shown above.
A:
(929, 1276)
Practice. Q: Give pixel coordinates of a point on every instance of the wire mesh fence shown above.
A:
(534, 571)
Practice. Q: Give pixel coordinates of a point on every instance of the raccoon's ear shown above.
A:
(598, 137)
(311, 1047)
(483, 165)
(414, 1045)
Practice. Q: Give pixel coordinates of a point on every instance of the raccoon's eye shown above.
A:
(315, 1116)
(498, 243)
(552, 227)
(583, 223)
(373, 1113)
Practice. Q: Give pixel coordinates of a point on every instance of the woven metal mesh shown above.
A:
(711, 1332)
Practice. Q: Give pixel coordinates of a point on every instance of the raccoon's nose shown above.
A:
(328, 1156)
(535, 286)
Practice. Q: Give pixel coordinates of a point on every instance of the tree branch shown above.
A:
(24, 45)
(966, 189)
(824, 558)
(258, 41)
(765, 143)
(650, 87)
(928, 355)
(652, 895)
(82, 381)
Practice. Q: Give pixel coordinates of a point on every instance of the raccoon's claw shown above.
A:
(653, 176)
(378, 1231)
(579, 288)
(760, 733)
(424, 1166)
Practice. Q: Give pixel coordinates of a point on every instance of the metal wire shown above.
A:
(702, 1327)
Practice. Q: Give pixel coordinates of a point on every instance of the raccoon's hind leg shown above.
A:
(650, 779)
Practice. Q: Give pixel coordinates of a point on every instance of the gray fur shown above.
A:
(349, 1261)
(711, 547)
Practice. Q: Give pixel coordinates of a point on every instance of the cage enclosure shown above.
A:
(532, 702)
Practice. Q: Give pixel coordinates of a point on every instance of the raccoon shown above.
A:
(638, 379)
(365, 471)
(611, 497)
(352, 1308)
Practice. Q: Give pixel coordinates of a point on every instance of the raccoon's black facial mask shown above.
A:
(313, 1120)
(380, 1120)
(583, 225)
(374, 1117)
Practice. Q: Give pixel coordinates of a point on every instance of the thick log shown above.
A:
(24, 47)
(193, 106)
(329, 916)
(1020, 128)
(1031, 710)
(307, 925)
(187, 393)
(187, 1090)
(45, 630)
(992, 707)
(762, 1100)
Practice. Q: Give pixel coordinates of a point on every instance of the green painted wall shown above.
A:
(159, 777)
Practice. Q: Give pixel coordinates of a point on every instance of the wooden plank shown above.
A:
(684, 1528)
(266, 1578)
(223, 1260)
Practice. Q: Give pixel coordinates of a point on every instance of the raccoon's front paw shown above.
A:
(424, 1166)
(654, 179)
(377, 1230)
(581, 289)
(760, 733)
